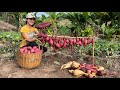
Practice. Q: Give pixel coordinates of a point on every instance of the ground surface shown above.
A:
(50, 67)
(6, 26)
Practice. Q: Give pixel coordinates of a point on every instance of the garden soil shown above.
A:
(50, 67)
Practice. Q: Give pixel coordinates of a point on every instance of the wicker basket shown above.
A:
(29, 61)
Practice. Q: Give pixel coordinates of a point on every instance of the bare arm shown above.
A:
(27, 38)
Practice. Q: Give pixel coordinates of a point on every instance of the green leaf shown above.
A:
(103, 27)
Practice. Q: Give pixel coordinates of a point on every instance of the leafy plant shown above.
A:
(87, 32)
(64, 31)
(103, 48)
(11, 41)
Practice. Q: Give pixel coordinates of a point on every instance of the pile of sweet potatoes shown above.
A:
(29, 49)
(84, 70)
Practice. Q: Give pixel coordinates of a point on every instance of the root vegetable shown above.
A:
(61, 44)
(80, 43)
(28, 52)
(82, 65)
(67, 41)
(44, 35)
(75, 65)
(39, 35)
(32, 50)
(77, 43)
(84, 70)
(100, 73)
(89, 40)
(85, 43)
(29, 47)
(35, 47)
(74, 41)
(21, 49)
(57, 45)
(78, 72)
(83, 40)
(88, 71)
(91, 75)
(71, 71)
(51, 42)
(37, 50)
(93, 70)
(77, 39)
(70, 43)
(24, 48)
(67, 65)
(100, 68)
(42, 25)
(47, 39)
(64, 45)
(70, 40)
(88, 66)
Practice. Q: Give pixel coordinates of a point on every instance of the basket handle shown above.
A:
(39, 42)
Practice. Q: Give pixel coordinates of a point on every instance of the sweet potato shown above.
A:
(57, 45)
(84, 69)
(21, 49)
(67, 65)
(82, 65)
(77, 72)
(36, 50)
(32, 50)
(51, 41)
(35, 47)
(47, 39)
(89, 40)
(83, 40)
(100, 68)
(85, 43)
(42, 25)
(75, 65)
(91, 75)
(28, 52)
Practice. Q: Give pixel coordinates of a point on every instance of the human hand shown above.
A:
(36, 35)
